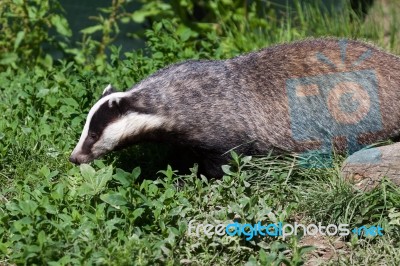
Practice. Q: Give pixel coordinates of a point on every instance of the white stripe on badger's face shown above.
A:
(125, 127)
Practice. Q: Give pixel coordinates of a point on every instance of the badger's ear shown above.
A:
(119, 103)
(108, 90)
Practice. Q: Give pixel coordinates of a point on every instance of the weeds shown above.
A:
(58, 214)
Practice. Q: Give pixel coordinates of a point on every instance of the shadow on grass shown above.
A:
(153, 157)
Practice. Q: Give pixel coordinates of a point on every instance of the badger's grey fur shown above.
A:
(244, 103)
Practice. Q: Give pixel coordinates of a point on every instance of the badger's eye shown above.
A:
(93, 135)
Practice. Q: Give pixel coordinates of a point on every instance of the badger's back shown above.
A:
(229, 103)
(329, 62)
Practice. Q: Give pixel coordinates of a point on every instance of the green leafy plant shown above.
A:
(25, 27)
(115, 213)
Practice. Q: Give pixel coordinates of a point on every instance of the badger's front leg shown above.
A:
(210, 163)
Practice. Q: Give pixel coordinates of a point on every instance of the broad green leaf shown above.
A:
(42, 93)
(87, 171)
(136, 173)
(92, 29)
(114, 199)
(123, 177)
(139, 16)
(28, 206)
(227, 170)
(72, 102)
(169, 193)
(18, 2)
(94, 182)
(8, 58)
(18, 40)
(61, 25)
(41, 238)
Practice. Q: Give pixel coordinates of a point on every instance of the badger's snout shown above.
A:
(74, 160)
(78, 159)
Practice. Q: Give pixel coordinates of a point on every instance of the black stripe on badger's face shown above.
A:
(104, 116)
(111, 121)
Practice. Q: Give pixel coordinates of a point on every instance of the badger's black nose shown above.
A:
(73, 159)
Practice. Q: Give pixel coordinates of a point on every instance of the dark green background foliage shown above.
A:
(54, 213)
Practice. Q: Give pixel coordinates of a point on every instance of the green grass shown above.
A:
(55, 213)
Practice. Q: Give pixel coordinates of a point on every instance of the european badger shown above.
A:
(308, 95)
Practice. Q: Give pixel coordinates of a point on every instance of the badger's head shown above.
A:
(111, 122)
